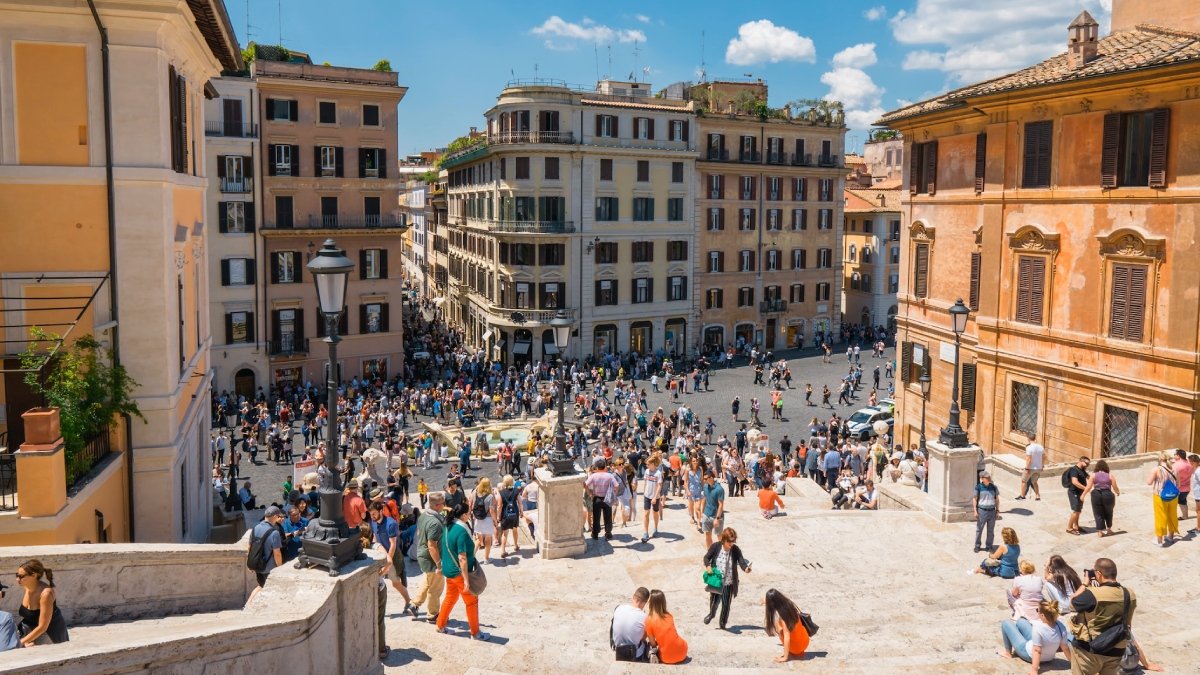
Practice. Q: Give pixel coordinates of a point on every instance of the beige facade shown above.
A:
(1072, 240)
(580, 201)
(871, 257)
(328, 171)
(768, 223)
(884, 159)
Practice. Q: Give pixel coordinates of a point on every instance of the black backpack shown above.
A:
(256, 559)
(480, 509)
(509, 508)
(1066, 478)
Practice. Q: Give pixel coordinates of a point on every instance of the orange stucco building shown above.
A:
(1060, 203)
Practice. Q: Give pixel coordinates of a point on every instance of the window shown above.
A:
(823, 292)
(716, 147)
(370, 115)
(643, 251)
(716, 261)
(922, 177)
(894, 283)
(328, 156)
(980, 162)
(675, 208)
(1120, 434)
(895, 255)
(677, 250)
(239, 327)
(372, 163)
(329, 211)
(523, 254)
(1031, 288)
(866, 283)
(921, 271)
(643, 208)
(372, 264)
(1135, 149)
(800, 189)
(552, 254)
(606, 171)
(716, 219)
(749, 149)
(799, 259)
(503, 168)
(824, 258)
(825, 189)
(679, 130)
(606, 292)
(772, 261)
(745, 260)
(824, 219)
(606, 252)
(237, 272)
(716, 186)
(854, 281)
(748, 187)
(774, 190)
(522, 168)
(523, 298)
(1127, 306)
(551, 170)
(799, 219)
(606, 126)
(746, 219)
(796, 293)
(869, 226)
(852, 253)
(775, 153)
(714, 298)
(643, 171)
(552, 295)
(643, 128)
(283, 110)
(895, 231)
(283, 160)
(676, 288)
(866, 254)
(232, 217)
(643, 290)
(973, 293)
(606, 208)
(1024, 414)
(676, 172)
(286, 264)
(774, 219)
(327, 112)
(745, 297)
(283, 211)
(371, 211)
(371, 318)
(914, 361)
(1039, 139)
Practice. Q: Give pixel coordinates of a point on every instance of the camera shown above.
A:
(1091, 576)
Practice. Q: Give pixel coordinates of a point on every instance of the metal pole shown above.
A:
(953, 435)
(924, 450)
(331, 485)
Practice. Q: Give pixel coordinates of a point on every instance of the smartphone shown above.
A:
(1091, 576)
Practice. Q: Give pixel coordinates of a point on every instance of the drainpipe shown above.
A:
(112, 246)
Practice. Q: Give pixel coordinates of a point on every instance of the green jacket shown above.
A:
(457, 539)
(1097, 608)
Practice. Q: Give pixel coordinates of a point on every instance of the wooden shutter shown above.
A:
(1036, 164)
(1137, 303)
(362, 162)
(270, 159)
(220, 166)
(362, 319)
(1031, 286)
(276, 341)
(383, 270)
(249, 326)
(650, 128)
(228, 327)
(383, 318)
(383, 162)
(300, 346)
(967, 395)
(270, 108)
(298, 266)
(316, 162)
(616, 124)
(921, 271)
(274, 271)
(1111, 150)
(362, 263)
(1159, 132)
(599, 124)
(906, 354)
(337, 162)
(247, 166)
(224, 272)
(222, 217)
(686, 124)
(930, 177)
(294, 111)
(914, 168)
(980, 162)
(183, 125)
(1118, 320)
(976, 263)
(250, 271)
(295, 160)
(249, 215)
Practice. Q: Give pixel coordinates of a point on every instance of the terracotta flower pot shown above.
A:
(41, 426)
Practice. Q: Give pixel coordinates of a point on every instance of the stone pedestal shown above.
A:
(952, 475)
(41, 466)
(560, 515)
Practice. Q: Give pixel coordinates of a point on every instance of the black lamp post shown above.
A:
(925, 381)
(328, 542)
(561, 463)
(952, 435)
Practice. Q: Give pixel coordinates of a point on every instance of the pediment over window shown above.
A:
(1030, 238)
(1131, 244)
(921, 232)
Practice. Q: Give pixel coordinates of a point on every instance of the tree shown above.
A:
(383, 66)
(884, 134)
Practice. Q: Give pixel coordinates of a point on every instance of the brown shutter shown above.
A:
(1159, 133)
(383, 162)
(906, 354)
(931, 149)
(921, 271)
(980, 162)
(1037, 289)
(650, 128)
(1029, 161)
(249, 326)
(1118, 318)
(1024, 282)
(295, 160)
(599, 122)
(976, 263)
(1137, 303)
(247, 166)
(220, 166)
(183, 125)
(1111, 148)
(967, 397)
(914, 168)
(270, 159)
(337, 163)
(686, 124)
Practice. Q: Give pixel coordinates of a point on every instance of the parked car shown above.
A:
(862, 422)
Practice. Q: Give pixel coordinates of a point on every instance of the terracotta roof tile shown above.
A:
(1144, 47)
(867, 200)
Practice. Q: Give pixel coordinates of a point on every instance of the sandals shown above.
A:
(1074, 532)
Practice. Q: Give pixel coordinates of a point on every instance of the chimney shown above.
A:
(1081, 43)
(882, 199)
(729, 107)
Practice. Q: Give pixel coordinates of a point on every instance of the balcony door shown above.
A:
(232, 109)
(329, 211)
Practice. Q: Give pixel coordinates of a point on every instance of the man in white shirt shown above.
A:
(652, 501)
(627, 634)
(1035, 456)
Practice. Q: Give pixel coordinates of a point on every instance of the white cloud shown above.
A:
(586, 30)
(856, 56)
(642, 18)
(974, 41)
(853, 87)
(863, 119)
(875, 13)
(762, 41)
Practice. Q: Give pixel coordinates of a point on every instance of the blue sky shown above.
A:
(455, 56)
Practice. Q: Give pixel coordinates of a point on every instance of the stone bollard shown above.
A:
(560, 514)
(41, 466)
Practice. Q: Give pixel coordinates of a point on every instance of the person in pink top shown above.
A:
(1183, 471)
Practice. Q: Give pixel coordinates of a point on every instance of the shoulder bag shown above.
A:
(712, 580)
(1169, 491)
(810, 626)
(1109, 637)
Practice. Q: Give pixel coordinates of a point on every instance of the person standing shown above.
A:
(1183, 471)
(652, 496)
(269, 532)
(386, 536)
(783, 619)
(458, 560)
(726, 557)
(833, 467)
(431, 526)
(985, 504)
(1099, 606)
(600, 486)
(1076, 479)
(1163, 482)
(1035, 455)
(714, 508)
(1103, 488)
(628, 638)
(484, 511)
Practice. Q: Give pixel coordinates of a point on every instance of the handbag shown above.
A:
(1109, 637)
(712, 580)
(810, 626)
(991, 562)
(476, 580)
(1131, 661)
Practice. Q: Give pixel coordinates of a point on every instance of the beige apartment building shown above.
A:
(768, 220)
(578, 201)
(871, 257)
(328, 171)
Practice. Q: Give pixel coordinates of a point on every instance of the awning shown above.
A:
(549, 347)
(439, 301)
(521, 347)
(487, 334)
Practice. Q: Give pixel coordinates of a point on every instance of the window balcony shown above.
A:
(828, 160)
(524, 226)
(772, 306)
(504, 315)
(288, 345)
(801, 159)
(716, 155)
(339, 222)
(234, 130)
(754, 157)
(237, 185)
(777, 158)
(513, 137)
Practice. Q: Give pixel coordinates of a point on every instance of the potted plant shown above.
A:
(41, 425)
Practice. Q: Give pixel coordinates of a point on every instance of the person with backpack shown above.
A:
(1102, 622)
(510, 515)
(483, 511)
(266, 547)
(1165, 489)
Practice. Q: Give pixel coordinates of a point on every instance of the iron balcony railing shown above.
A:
(716, 155)
(507, 137)
(529, 315)
(801, 159)
(772, 306)
(231, 130)
(237, 185)
(8, 480)
(346, 222)
(750, 157)
(94, 452)
(777, 158)
(288, 345)
(827, 160)
(524, 226)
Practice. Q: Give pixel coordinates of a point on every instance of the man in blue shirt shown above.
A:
(714, 507)
(386, 532)
(293, 531)
(8, 628)
(833, 467)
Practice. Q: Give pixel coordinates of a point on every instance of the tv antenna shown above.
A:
(636, 51)
(703, 71)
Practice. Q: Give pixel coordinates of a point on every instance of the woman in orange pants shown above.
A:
(458, 559)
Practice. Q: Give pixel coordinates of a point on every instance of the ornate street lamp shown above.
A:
(328, 542)
(953, 435)
(925, 381)
(561, 463)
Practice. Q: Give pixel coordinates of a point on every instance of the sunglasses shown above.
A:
(21, 576)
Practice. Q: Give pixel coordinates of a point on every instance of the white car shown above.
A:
(862, 422)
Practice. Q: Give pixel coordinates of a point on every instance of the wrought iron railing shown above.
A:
(506, 137)
(8, 480)
(94, 452)
(237, 185)
(233, 130)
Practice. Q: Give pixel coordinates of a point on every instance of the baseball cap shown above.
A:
(984, 474)
(273, 511)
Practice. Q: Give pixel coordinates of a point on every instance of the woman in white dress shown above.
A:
(484, 512)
